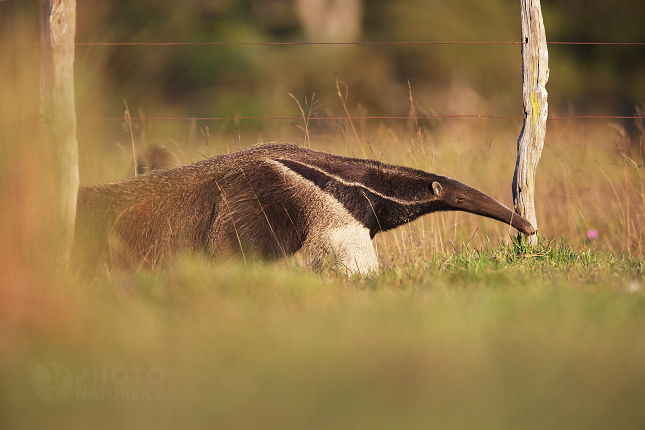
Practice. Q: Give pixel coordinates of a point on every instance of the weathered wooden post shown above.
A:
(58, 116)
(535, 70)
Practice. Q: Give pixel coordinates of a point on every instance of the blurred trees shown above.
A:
(255, 80)
(598, 79)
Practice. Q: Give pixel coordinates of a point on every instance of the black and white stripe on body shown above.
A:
(271, 201)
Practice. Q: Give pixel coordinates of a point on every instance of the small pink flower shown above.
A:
(592, 234)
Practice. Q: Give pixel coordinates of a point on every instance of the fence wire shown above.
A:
(294, 118)
(321, 43)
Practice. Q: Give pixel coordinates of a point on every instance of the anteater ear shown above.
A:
(437, 189)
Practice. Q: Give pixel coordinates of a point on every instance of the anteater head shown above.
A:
(384, 196)
(451, 195)
(400, 195)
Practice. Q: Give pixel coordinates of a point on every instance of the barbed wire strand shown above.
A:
(264, 43)
(596, 43)
(319, 43)
(594, 117)
(295, 118)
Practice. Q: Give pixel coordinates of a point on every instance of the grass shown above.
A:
(492, 338)
(465, 327)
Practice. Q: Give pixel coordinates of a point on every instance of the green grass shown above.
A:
(502, 337)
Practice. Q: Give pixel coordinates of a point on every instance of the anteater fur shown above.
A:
(267, 202)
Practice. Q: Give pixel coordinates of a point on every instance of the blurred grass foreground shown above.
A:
(465, 328)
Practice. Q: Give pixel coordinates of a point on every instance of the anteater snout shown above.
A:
(523, 225)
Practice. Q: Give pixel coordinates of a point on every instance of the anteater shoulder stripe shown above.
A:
(345, 182)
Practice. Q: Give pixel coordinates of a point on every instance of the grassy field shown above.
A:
(464, 328)
(501, 337)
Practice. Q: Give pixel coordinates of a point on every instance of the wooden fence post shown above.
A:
(58, 116)
(535, 70)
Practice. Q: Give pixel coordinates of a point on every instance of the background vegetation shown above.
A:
(463, 329)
